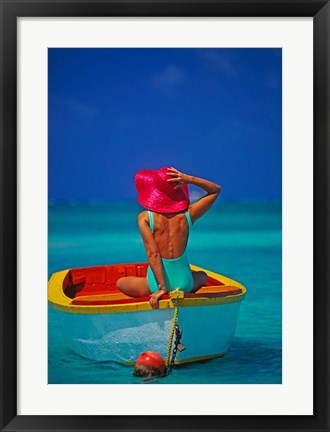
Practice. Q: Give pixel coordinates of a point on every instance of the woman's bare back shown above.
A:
(171, 234)
(169, 238)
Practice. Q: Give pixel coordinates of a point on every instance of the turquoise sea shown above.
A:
(241, 240)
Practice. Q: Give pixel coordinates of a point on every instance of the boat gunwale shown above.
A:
(60, 301)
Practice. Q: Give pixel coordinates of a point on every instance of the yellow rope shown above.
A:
(169, 347)
(175, 296)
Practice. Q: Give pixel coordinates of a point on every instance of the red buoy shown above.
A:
(149, 364)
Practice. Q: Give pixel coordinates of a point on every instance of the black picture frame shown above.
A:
(10, 11)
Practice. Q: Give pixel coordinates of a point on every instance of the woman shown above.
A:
(165, 229)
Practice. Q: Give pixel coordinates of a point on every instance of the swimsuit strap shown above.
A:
(188, 219)
(151, 221)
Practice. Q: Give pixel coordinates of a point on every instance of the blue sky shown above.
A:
(213, 113)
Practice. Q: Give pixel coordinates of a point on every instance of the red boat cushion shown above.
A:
(97, 285)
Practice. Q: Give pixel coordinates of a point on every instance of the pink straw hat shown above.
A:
(159, 195)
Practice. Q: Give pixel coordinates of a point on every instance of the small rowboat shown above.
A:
(101, 323)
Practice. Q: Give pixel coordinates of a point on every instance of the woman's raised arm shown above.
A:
(198, 208)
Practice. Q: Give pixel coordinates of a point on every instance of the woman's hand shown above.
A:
(201, 206)
(178, 177)
(155, 297)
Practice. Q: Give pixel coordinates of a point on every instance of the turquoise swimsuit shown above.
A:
(176, 271)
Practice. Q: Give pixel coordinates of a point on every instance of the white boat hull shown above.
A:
(122, 337)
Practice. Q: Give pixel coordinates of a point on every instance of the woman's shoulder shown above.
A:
(143, 215)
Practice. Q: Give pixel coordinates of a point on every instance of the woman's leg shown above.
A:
(200, 279)
(134, 286)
